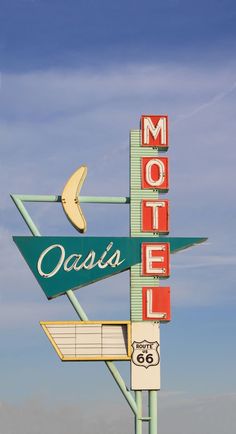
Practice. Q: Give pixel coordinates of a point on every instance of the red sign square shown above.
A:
(156, 259)
(155, 216)
(154, 130)
(155, 173)
(156, 303)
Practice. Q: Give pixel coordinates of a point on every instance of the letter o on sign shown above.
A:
(155, 173)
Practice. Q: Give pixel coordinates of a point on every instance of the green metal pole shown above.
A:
(138, 416)
(103, 199)
(36, 197)
(18, 199)
(82, 199)
(28, 220)
(122, 386)
(76, 305)
(152, 403)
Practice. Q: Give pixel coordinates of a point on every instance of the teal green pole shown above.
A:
(76, 305)
(152, 403)
(82, 199)
(138, 416)
(36, 197)
(103, 199)
(122, 386)
(28, 220)
(18, 199)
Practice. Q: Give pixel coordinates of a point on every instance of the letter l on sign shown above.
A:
(156, 303)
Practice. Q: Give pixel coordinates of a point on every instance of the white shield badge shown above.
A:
(145, 353)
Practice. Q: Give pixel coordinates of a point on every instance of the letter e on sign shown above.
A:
(155, 259)
(155, 131)
(155, 173)
(155, 216)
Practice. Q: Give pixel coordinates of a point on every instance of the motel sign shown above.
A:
(63, 264)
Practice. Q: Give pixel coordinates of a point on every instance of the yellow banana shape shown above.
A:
(70, 199)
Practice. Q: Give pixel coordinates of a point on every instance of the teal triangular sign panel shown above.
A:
(63, 263)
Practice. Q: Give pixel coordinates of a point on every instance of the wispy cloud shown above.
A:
(213, 413)
(217, 98)
(205, 261)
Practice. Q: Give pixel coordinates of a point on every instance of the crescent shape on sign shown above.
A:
(70, 199)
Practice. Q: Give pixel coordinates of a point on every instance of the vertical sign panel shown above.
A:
(149, 216)
(139, 156)
(145, 360)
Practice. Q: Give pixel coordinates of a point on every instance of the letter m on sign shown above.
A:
(155, 131)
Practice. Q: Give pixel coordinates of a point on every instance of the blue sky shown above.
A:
(75, 78)
(42, 34)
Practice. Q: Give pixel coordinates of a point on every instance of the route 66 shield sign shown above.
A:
(145, 353)
(145, 339)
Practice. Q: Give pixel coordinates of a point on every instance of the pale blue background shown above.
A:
(75, 78)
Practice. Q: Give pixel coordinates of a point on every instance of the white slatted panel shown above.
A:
(114, 339)
(88, 340)
(80, 340)
(64, 338)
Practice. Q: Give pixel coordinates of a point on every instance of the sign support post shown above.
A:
(152, 403)
(137, 195)
(138, 416)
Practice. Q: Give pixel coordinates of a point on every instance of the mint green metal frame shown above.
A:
(18, 200)
(82, 199)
